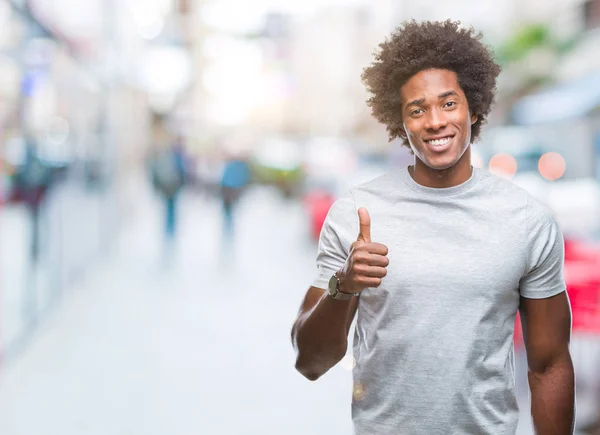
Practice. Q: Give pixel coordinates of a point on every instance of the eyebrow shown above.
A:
(441, 96)
(447, 94)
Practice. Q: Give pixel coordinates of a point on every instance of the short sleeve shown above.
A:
(339, 230)
(544, 271)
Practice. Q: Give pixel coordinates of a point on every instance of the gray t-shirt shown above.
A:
(434, 342)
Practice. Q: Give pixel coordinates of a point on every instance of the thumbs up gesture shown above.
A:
(367, 262)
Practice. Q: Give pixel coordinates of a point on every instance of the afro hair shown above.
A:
(414, 47)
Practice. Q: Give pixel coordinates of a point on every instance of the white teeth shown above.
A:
(438, 142)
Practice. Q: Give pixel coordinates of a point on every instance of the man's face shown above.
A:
(436, 118)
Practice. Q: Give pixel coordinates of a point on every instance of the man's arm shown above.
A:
(546, 332)
(320, 333)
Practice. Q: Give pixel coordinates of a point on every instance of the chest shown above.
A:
(450, 257)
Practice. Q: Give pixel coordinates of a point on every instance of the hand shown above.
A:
(367, 262)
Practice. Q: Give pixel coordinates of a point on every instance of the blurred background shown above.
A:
(166, 166)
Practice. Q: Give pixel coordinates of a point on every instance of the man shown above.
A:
(168, 178)
(32, 181)
(234, 180)
(437, 259)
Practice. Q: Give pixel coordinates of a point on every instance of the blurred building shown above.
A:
(80, 83)
(561, 111)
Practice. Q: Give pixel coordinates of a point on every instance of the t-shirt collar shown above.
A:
(440, 191)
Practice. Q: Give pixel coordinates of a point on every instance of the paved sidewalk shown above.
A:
(200, 347)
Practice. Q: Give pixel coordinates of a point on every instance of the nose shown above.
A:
(436, 119)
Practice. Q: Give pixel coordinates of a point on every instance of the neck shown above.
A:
(453, 176)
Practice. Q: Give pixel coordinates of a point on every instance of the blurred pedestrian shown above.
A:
(168, 178)
(234, 180)
(464, 251)
(32, 180)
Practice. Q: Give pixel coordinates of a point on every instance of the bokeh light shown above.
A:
(503, 164)
(358, 392)
(552, 166)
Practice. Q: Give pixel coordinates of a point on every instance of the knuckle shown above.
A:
(358, 257)
(357, 268)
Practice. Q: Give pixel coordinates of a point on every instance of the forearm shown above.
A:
(553, 398)
(320, 336)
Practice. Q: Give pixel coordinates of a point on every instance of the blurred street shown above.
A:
(199, 347)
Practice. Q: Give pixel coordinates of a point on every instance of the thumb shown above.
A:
(364, 221)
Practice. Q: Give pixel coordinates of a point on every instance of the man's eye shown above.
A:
(450, 104)
(416, 112)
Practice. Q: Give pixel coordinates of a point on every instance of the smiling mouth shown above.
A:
(439, 142)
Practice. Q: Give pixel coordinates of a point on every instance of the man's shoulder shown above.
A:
(501, 184)
(504, 190)
(379, 184)
(537, 212)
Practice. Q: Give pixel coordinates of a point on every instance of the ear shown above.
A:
(402, 133)
(474, 119)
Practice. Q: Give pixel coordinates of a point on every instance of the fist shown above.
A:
(367, 262)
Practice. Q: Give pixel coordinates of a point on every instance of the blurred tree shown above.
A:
(528, 57)
(518, 46)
